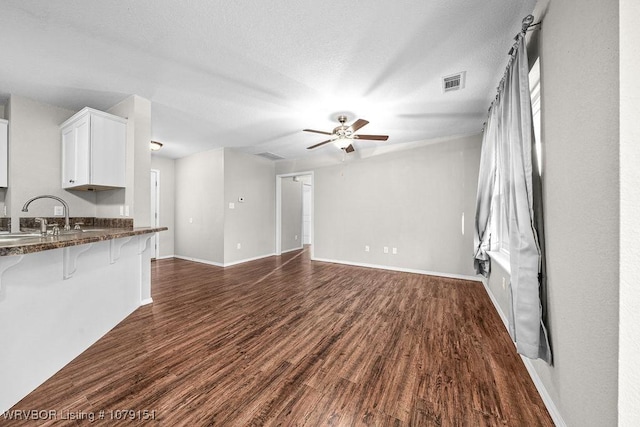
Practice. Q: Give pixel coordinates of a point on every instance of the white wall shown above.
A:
(412, 200)
(199, 206)
(167, 202)
(629, 356)
(291, 208)
(252, 222)
(35, 166)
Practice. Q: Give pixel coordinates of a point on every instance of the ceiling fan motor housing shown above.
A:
(343, 135)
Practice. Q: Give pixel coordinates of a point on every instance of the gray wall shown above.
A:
(252, 222)
(138, 157)
(580, 116)
(35, 166)
(412, 200)
(205, 184)
(199, 206)
(291, 208)
(578, 46)
(167, 169)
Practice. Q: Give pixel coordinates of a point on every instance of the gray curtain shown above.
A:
(509, 143)
(486, 186)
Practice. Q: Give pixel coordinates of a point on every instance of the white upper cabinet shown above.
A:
(4, 163)
(93, 151)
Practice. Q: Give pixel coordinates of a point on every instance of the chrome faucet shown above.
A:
(67, 227)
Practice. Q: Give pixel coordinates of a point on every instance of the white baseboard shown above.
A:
(201, 261)
(544, 394)
(401, 269)
(146, 301)
(537, 381)
(167, 257)
(291, 250)
(227, 264)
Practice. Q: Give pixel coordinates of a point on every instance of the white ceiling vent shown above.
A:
(270, 156)
(453, 82)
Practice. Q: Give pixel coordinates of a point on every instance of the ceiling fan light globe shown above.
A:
(342, 143)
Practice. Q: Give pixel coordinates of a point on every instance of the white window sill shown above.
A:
(502, 259)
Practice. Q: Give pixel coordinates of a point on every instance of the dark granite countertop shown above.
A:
(30, 244)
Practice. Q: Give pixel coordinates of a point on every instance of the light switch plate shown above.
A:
(232, 205)
(57, 210)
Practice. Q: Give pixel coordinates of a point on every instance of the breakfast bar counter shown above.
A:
(60, 294)
(26, 243)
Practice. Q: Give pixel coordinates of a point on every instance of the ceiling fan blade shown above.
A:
(358, 124)
(372, 137)
(317, 131)
(318, 144)
(350, 149)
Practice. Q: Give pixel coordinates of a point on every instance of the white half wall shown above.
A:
(48, 320)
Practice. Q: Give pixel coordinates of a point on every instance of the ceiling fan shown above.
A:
(343, 135)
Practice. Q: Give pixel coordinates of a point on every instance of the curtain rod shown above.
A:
(527, 24)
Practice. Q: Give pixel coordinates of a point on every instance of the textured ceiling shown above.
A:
(253, 74)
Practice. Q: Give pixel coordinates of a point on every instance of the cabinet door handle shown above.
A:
(72, 181)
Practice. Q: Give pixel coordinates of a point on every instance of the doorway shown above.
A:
(306, 209)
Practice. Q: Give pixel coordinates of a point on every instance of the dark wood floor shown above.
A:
(286, 341)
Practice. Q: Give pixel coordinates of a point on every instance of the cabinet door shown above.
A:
(75, 154)
(4, 136)
(68, 157)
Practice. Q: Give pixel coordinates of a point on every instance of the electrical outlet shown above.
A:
(57, 210)
(385, 249)
(239, 246)
(126, 210)
(504, 284)
(366, 248)
(121, 210)
(190, 220)
(394, 251)
(232, 205)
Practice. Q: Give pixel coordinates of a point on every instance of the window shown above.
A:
(500, 223)
(534, 87)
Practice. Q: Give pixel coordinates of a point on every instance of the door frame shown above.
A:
(155, 222)
(278, 227)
